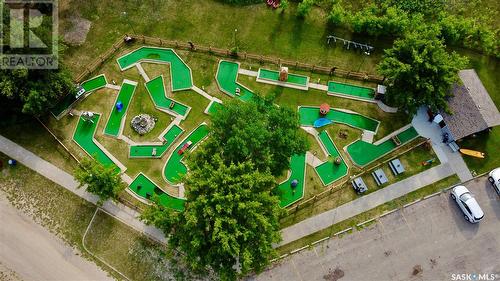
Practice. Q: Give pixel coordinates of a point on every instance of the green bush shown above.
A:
(241, 2)
(304, 8)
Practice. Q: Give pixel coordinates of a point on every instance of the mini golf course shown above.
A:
(156, 89)
(84, 137)
(351, 90)
(116, 118)
(274, 75)
(174, 168)
(146, 151)
(90, 85)
(147, 189)
(179, 71)
(214, 107)
(363, 153)
(310, 114)
(284, 190)
(329, 171)
(227, 75)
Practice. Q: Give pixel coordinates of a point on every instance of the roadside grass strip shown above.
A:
(114, 126)
(363, 153)
(337, 88)
(147, 189)
(84, 137)
(213, 107)
(90, 85)
(328, 171)
(157, 92)
(309, 114)
(146, 151)
(227, 76)
(272, 77)
(174, 169)
(181, 77)
(288, 194)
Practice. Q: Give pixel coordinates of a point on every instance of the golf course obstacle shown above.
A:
(156, 150)
(116, 120)
(227, 76)
(290, 193)
(85, 88)
(145, 188)
(335, 168)
(363, 153)
(309, 114)
(272, 77)
(180, 73)
(174, 169)
(157, 92)
(350, 91)
(84, 137)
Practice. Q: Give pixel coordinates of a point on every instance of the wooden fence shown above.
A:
(190, 46)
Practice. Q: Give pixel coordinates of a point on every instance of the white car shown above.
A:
(468, 204)
(494, 179)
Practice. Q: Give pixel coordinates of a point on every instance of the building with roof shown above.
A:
(472, 109)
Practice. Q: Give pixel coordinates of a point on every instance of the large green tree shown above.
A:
(102, 181)
(419, 71)
(231, 219)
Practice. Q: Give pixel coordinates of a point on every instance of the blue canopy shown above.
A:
(322, 122)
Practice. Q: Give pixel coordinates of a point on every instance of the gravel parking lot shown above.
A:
(429, 240)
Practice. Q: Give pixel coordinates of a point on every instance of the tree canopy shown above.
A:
(101, 181)
(419, 71)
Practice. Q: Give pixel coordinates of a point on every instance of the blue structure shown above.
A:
(119, 106)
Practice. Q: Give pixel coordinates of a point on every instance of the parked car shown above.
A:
(494, 179)
(467, 203)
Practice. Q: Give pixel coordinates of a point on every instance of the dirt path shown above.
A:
(33, 253)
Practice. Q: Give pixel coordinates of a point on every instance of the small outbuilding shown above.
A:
(324, 109)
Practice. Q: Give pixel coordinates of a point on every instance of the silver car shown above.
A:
(494, 179)
(467, 203)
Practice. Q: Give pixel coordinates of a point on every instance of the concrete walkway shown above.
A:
(248, 72)
(364, 203)
(444, 153)
(62, 178)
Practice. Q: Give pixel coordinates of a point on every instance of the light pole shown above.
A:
(124, 14)
(234, 38)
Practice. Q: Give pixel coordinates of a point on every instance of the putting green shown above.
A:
(227, 75)
(114, 125)
(84, 137)
(90, 85)
(274, 75)
(156, 90)
(363, 153)
(297, 172)
(146, 188)
(179, 71)
(146, 151)
(351, 90)
(310, 114)
(174, 168)
(329, 172)
(213, 107)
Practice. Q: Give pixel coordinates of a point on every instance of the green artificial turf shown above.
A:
(146, 151)
(115, 118)
(351, 90)
(145, 188)
(94, 83)
(329, 171)
(156, 89)
(214, 107)
(227, 75)
(275, 75)
(179, 71)
(310, 114)
(175, 169)
(284, 190)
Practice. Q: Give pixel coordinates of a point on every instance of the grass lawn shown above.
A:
(373, 213)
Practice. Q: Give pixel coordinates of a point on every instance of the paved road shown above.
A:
(429, 240)
(36, 254)
(364, 203)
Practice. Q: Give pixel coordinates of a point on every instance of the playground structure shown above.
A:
(290, 191)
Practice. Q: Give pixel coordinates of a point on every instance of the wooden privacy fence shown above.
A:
(190, 46)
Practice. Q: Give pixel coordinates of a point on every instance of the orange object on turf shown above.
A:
(472, 153)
